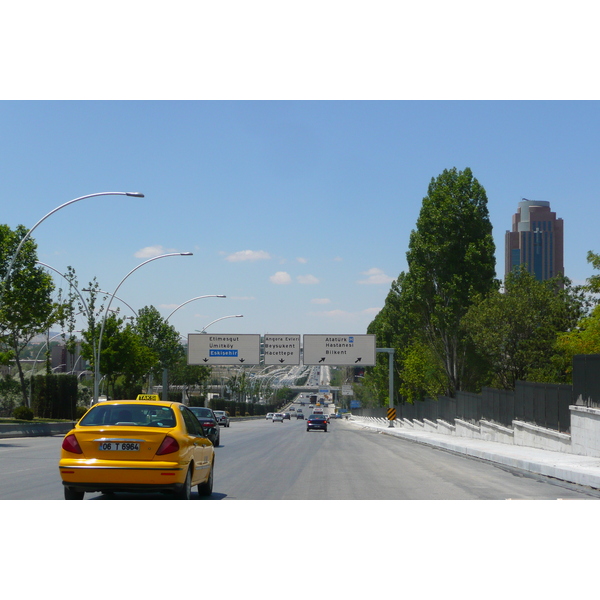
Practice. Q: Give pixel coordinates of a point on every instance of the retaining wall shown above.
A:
(584, 439)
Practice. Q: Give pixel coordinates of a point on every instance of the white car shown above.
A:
(278, 417)
(222, 417)
(269, 416)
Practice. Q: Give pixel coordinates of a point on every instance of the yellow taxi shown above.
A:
(142, 445)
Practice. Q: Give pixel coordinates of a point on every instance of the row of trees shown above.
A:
(133, 350)
(454, 326)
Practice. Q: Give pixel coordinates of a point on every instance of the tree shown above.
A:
(585, 338)
(516, 329)
(26, 305)
(451, 261)
(160, 337)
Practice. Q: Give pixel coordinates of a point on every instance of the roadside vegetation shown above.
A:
(454, 326)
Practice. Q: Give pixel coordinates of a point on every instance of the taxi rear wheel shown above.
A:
(206, 488)
(185, 493)
(71, 494)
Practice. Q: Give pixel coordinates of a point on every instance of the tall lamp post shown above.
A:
(203, 330)
(165, 373)
(28, 234)
(97, 363)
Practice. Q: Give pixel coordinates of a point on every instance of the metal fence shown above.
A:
(546, 405)
(543, 404)
(586, 380)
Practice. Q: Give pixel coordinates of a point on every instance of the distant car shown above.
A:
(311, 406)
(299, 415)
(137, 446)
(269, 416)
(209, 423)
(318, 411)
(292, 409)
(316, 421)
(278, 417)
(299, 411)
(222, 417)
(286, 415)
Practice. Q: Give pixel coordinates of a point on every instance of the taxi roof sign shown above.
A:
(152, 397)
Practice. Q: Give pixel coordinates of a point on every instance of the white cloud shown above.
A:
(150, 252)
(250, 255)
(302, 260)
(307, 279)
(320, 301)
(375, 277)
(281, 278)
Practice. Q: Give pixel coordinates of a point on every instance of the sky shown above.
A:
(299, 212)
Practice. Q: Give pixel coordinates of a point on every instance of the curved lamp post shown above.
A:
(219, 319)
(28, 234)
(165, 373)
(97, 364)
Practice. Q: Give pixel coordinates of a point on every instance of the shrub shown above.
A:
(80, 411)
(23, 412)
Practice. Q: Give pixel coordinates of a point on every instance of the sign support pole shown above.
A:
(391, 410)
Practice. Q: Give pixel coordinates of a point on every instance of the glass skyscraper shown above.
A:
(536, 240)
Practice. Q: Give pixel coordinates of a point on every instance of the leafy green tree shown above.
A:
(451, 261)
(593, 283)
(584, 339)
(516, 329)
(422, 373)
(160, 337)
(26, 305)
(123, 353)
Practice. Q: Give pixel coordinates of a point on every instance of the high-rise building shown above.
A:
(536, 240)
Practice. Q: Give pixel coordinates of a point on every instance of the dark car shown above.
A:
(299, 415)
(209, 423)
(317, 422)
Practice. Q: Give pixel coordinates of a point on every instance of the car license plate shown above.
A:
(127, 446)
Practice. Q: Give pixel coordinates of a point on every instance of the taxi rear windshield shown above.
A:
(139, 415)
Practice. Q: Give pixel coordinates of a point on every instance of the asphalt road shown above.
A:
(262, 460)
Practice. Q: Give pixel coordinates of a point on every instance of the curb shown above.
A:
(571, 468)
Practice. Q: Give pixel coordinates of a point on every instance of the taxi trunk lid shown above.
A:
(118, 443)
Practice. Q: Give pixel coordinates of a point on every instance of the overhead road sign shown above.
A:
(357, 350)
(282, 349)
(223, 349)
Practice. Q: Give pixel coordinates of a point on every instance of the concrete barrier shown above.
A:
(11, 430)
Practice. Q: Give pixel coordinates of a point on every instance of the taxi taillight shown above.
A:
(168, 445)
(70, 444)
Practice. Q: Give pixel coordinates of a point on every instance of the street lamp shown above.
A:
(165, 373)
(220, 319)
(28, 234)
(97, 364)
